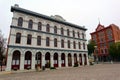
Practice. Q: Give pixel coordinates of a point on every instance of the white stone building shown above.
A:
(40, 40)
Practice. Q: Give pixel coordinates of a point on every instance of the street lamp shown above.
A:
(96, 54)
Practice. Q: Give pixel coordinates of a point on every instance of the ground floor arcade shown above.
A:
(28, 59)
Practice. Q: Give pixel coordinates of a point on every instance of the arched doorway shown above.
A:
(55, 60)
(85, 59)
(16, 60)
(63, 60)
(47, 60)
(28, 58)
(75, 59)
(80, 59)
(69, 60)
(38, 59)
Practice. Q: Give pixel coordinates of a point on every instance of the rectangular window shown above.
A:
(29, 39)
(18, 37)
(39, 40)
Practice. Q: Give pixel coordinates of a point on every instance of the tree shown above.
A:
(114, 51)
(2, 46)
(91, 46)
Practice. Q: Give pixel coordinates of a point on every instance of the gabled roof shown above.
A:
(18, 9)
(99, 27)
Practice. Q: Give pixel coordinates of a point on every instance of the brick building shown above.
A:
(103, 37)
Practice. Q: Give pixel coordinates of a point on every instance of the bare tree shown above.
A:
(2, 48)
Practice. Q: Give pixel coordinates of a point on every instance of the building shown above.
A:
(103, 37)
(39, 40)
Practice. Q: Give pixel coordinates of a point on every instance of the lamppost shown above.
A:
(96, 54)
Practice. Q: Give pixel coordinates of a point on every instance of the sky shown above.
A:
(86, 13)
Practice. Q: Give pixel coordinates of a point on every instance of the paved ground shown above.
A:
(96, 72)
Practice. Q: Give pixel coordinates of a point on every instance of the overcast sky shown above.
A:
(81, 12)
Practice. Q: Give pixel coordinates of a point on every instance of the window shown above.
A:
(62, 31)
(68, 43)
(20, 21)
(30, 24)
(83, 45)
(29, 39)
(109, 34)
(55, 29)
(82, 35)
(68, 32)
(18, 37)
(38, 40)
(39, 26)
(73, 33)
(47, 28)
(74, 45)
(47, 41)
(102, 51)
(55, 42)
(62, 43)
(78, 34)
(79, 45)
(106, 51)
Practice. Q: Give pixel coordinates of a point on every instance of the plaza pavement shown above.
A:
(95, 72)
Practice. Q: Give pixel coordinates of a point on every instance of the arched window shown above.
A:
(83, 45)
(78, 34)
(68, 32)
(55, 29)
(47, 41)
(83, 36)
(47, 28)
(74, 45)
(62, 31)
(20, 21)
(18, 37)
(62, 43)
(30, 24)
(68, 43)
(38, 40)
(79, 45)
(55, 42)
(73, 33)
(29, 39)
(39, 26)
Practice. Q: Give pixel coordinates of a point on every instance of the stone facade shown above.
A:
(22, 55)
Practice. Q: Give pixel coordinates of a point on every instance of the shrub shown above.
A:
(52, 68)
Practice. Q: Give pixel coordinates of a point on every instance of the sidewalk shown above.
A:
(5, 72)
(14, 72)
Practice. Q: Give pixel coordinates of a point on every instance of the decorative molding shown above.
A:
(46, 49)
(46, 33)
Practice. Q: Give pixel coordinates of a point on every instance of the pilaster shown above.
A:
(22, 62)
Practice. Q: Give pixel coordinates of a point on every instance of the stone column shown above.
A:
(22, 59)
(51, 60)
(83, 59)
(72, 59)
(78, 59)
(59, 60)
(87, 59)
(9, 61)
(43, 60)
(33, 61)
(66, 60)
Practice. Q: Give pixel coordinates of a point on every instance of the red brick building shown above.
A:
(104, 36)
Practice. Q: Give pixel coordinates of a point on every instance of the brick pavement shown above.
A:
(96, 72)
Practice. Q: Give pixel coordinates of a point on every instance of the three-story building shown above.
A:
(39, 40)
